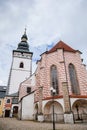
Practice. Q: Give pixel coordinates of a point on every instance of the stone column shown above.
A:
(40, 114)
(68, 115)
(40, 100)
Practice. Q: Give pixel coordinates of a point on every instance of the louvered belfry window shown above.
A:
(54, 78)
(73, 79)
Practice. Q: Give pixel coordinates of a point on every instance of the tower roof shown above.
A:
(61, 45)
(23, 45)
(24, 37)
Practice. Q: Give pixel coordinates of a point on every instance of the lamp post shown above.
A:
(77, 108)
(53, 91)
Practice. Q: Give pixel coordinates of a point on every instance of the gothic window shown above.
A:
(8, 100)
(54, 78)
(21, 65)
(73, 79)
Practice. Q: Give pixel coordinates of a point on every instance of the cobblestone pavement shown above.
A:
(14, 124)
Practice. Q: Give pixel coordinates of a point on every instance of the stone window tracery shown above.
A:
(54, 78)
(73, 79)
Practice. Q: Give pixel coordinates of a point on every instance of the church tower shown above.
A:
(21, 67)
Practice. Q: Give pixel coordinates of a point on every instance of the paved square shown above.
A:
(14, 124)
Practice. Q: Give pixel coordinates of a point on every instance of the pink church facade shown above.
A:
(62, 69)
(58, 58)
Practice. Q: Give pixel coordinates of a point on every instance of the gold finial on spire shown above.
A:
(25, 30)
(24, 36)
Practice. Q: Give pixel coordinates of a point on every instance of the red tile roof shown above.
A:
(61, 45)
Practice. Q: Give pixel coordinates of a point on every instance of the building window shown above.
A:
(14, 100)
(21, 65)
(28, 89)
(54, 78)
(73, 79)
(0, 102)
(8, 100)
(15, 110)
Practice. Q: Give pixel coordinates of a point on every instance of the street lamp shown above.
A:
(53, 91)
(77, 108)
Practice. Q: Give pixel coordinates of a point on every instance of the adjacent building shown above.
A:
(2, 103)
(11, 105)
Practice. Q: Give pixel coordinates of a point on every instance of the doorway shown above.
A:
(7, 113)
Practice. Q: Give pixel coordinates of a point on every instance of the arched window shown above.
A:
(21, 65)
(15, 110)
(8, 100)
(73, 79)
(54, 79)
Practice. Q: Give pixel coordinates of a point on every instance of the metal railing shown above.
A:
(59, 118)
(80, 118)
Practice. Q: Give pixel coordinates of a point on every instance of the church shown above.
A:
(57, 89)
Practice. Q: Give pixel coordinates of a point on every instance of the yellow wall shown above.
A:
(1, 106)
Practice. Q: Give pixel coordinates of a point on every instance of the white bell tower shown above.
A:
(21, 67)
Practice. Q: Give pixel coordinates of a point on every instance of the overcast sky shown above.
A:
(47, 22)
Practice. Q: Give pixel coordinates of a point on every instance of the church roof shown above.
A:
(61, 45)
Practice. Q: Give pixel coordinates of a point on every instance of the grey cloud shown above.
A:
(47, 21)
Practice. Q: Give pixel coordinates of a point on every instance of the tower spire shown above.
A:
(24, 36)
(25, 31)
(23, 45)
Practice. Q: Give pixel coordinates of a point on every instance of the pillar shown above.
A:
(40, 114)
(68, 115)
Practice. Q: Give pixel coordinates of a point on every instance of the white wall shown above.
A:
(17, 61)
(16, 78)
(18, 75)
(57, 100)
(28, 107)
